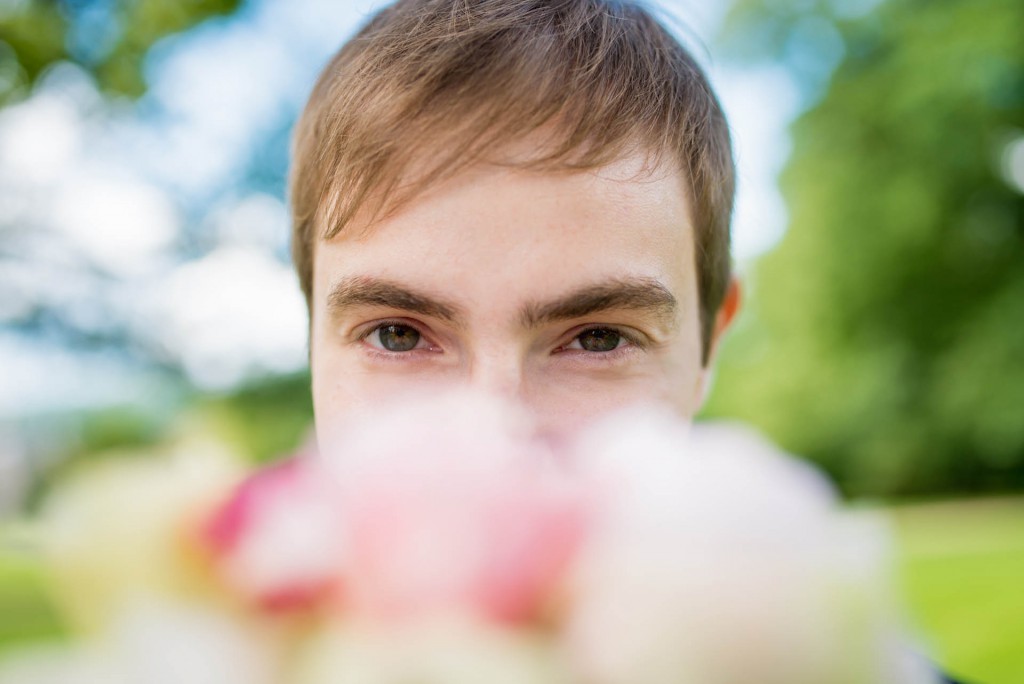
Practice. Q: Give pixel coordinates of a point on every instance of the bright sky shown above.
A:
(112, 184)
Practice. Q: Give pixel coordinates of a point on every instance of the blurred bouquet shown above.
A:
(451, 544)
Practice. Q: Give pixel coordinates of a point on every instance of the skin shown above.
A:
(573, 293)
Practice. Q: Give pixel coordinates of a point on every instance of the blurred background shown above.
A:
(146, 294)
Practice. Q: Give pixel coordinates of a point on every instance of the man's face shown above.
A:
(572, 293)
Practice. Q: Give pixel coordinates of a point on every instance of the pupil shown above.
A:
(398, 338)
(600, 340)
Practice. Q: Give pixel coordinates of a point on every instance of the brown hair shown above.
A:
(428, 87)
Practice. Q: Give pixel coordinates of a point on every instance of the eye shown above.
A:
(394, 337)
(599, 340)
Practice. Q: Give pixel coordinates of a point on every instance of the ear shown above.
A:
(723, 319)
(725, 316)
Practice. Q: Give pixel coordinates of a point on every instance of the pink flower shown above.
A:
(277, 540)
(422, 511)
(430, 535)
(456, 506)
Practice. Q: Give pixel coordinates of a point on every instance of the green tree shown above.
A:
(885, 335)
(107, 37)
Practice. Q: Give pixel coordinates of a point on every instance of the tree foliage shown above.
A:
(885, 337)
(108, 37)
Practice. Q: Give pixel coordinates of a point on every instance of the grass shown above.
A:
(26, 613)
(963, 572)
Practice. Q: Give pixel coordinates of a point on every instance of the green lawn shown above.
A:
(963, 568)
(963, 571)
(26, 614)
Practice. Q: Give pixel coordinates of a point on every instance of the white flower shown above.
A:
(723, 561)
(123, 528)
(154, 641)
(453, 651)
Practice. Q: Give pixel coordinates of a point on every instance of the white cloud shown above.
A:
(231, 314)
(257, 220)
(759, 104)
(122, 225)
(39, 139)
(41, 377)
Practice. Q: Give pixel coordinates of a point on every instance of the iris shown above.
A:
(600, 340)
(398, 338)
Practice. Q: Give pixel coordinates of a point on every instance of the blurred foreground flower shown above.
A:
(449, 543)
(122, 531)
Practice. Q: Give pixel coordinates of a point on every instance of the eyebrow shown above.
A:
(637, 294)
(366, 291)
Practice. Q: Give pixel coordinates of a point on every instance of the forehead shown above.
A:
(496, 234)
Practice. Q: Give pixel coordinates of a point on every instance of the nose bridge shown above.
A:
(498, 371)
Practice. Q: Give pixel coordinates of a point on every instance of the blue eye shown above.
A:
(394, 337)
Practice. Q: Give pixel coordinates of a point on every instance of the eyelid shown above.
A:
(366, 329)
